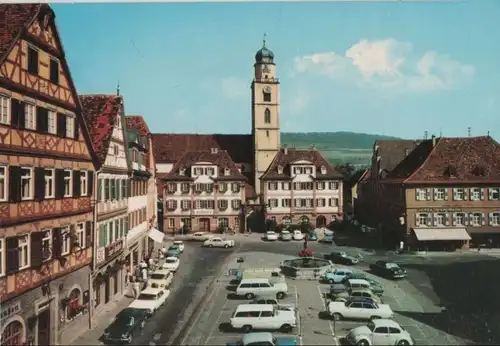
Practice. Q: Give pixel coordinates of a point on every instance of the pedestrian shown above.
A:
(136, 288)
(144, 274)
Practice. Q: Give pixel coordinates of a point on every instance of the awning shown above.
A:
(156, 235)
(426, 234)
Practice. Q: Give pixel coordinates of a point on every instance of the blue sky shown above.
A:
(385, 68)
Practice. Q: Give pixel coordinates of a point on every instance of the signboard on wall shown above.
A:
(439, 210)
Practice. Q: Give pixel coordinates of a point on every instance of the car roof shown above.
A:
(255, 280)
(344, 270)
(171, 258)
(385, 322)
(151, 290)
(132, 312)
(361, 299)
(178, 242)
(173, 246)
(358, 281)
(161, 271)
(256, 337)
(254, 307)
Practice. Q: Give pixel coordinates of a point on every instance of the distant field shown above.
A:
(352, 156)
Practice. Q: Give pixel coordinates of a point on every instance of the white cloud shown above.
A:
(299, 103)
(234, 88)
(387, 64)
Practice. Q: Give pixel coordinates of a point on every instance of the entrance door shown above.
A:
(44, 327)
(205, 225)
(106, 289)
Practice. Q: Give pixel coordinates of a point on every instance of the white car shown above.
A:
(298, 235)
(160, 278)
(171, 264)
(359, 309)
(150, 299)
(285, 235)
(264, 317)
(218, 242)
(380, 332)
(180, 244)
(272, 236)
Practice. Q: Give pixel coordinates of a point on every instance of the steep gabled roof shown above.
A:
(451, 160)
(286, 157)
(169, 148)
(392, 152)
(138, 123)
(100, 113)
(221, 159)
(357, 176)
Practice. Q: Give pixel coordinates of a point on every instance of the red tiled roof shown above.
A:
(293, 155)
(392, 152)
(469, 159)
(169, 148)
(137, 122)
(221, 159)
(13, 19)
(100, 113)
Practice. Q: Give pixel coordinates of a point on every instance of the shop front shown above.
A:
(438, 239)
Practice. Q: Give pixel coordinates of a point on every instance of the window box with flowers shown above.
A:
(73, 306)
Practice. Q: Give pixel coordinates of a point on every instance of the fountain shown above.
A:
(306, 266)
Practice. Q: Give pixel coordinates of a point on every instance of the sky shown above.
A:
(383, 68)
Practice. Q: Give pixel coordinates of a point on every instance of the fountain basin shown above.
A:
(305, 268)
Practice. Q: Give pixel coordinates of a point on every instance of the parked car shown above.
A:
(262, 338)
(249, 288)
(341, 257)
(248, 317)
(173, 251)
(285, 235)
(347, 285)
(380, 332)
(271, 236)
(219, 242)
(160, 278)
(126, 325)
(359, 309)
(388, 269)
(258, 273)
(335, 275)
(150, 299)
(180, 244)
(328, 236)
(273, 301)
(357, 292)
(298, 235)
(171, 263)
(199, 236)
(375, 286)
(312, 236)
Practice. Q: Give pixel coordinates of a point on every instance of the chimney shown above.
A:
(406, 152)
(433, 141)
(313, 147)
(285, 149)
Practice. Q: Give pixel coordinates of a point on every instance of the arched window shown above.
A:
(74, 306)
(13, 334)
(267, 116)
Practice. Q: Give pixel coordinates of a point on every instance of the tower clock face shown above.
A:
(267, 89)
(266, 69)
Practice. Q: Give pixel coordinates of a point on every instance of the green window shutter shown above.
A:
(126, 226)
(112, 189)
(122, 227)
(105, 237)
(119, 184)
(106, 189)
(99, 190)
(102, 237)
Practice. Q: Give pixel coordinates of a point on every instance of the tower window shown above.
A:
(267, 116)
(267, 133)
(267, 96)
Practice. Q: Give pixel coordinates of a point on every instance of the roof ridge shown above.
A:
(425, 161)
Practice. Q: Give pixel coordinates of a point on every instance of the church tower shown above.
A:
(265, 113)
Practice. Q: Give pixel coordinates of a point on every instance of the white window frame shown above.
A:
(4, 110)
(235, 203)
(227, 171)
(495, 219)
(273, 186)
(2, 257)
(116, 150)
(47, 238)
(286, 202)
(171, 204)
(4, 176)
(171, 223)
(308, 170)
(50, 190)
(494, 190)
(333, 185)
(460, 222)
(30, 116)
(84, 186)
(475, 194)
(70, 126)
(52, 122)
(439, 194)
(424, 218)
(473, 219)
(80, 234)
(459, 194)
(65, 241)
(210, 171)
(31, 186)
(24, 251)
(185, 204)
(69, 182)
(440, 217)
(320, 185)
(198, 171)
(285, 186)
(420, 194)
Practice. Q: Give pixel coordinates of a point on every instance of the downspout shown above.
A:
(94, 250)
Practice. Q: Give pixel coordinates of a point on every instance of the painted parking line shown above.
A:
(216, 325)
(321, 296)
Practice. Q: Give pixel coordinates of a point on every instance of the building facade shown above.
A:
(105, 121)
(301, 186)
(47, 169)
(204, 191)
(445, 194)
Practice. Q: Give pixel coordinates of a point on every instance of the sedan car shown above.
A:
(380, 332)
(179, 244)
(171, 264)
(160, 278)
(272, 301)
(362, 293)
(128, 323)
(298, 235)
(375, 286)
(173, 251)
(359, 309)
(150, 299)
(218, 242)
(267, 339)
(341, 257)
(285, 235)
(271, 236)
(388, 269)
(335, 275)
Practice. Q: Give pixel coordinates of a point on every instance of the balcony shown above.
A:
(105, 207)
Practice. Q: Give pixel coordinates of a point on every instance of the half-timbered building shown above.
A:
(105, 120)
(47, 170)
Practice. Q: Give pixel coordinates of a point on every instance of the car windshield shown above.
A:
(147, 296)
(371, 326)
(270, 233)
(173, 247)
(275, 341)
(391, 266)
(177, 242)
(285, 232)
(126, 320)
(170, 261)
(158, 276)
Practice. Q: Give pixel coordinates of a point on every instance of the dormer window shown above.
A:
(227, 171)
(182, 171)
(210, 171)
(479, 171)
(214, 150)
(280, 169)
(323, 170)
(451, 171)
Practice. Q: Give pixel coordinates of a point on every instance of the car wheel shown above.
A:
(210, 245)
(247, 328)
(286, 328)
(331, 282)
(375, 318)
(403, 343)
(226, 246)
(362, 343)
(249, 296)
(280, 295)
(337, 316)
